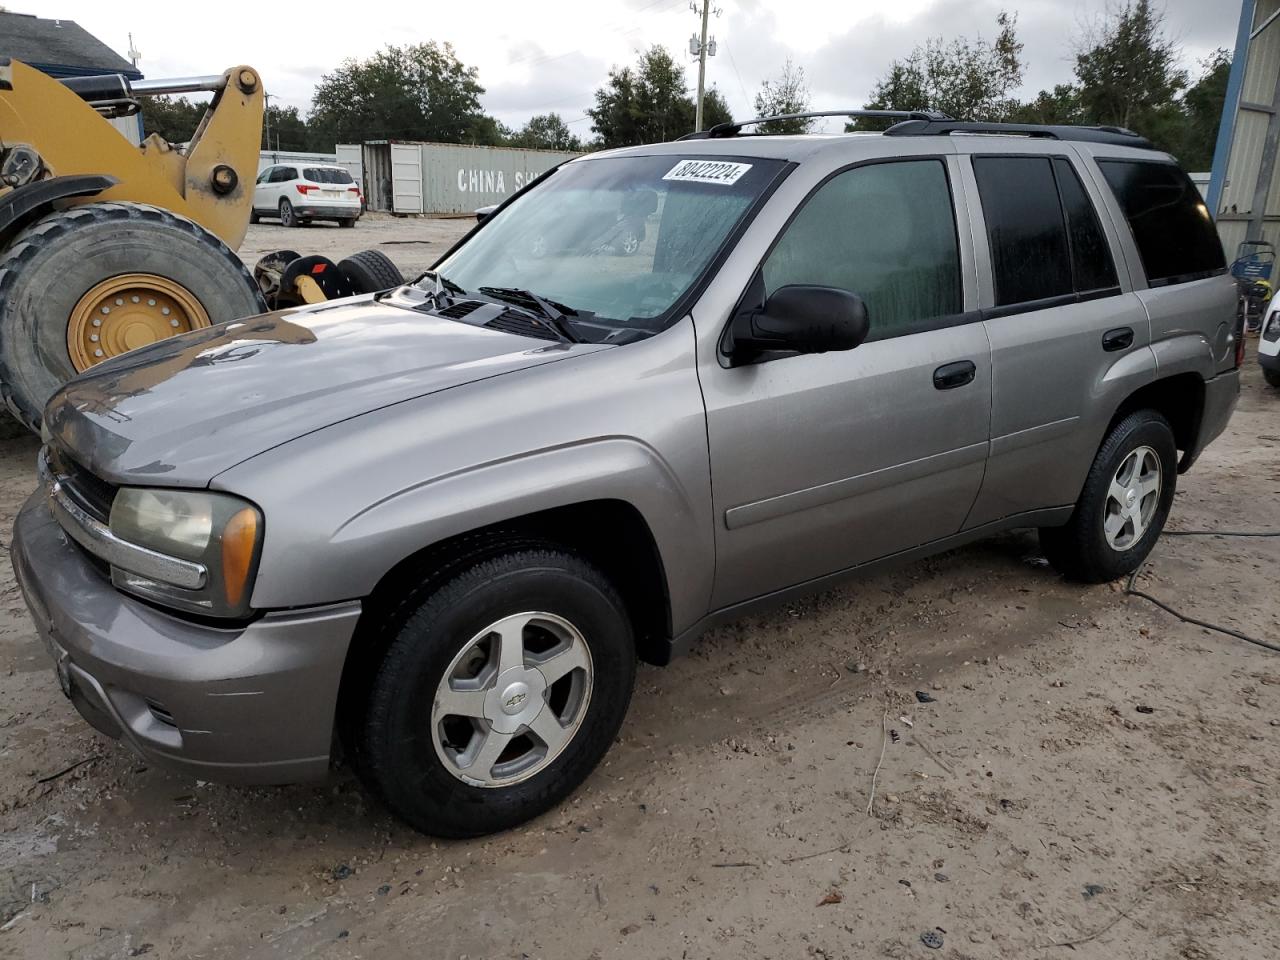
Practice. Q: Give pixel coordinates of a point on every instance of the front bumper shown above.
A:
(249, 704)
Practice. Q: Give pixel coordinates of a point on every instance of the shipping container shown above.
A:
(443, 178)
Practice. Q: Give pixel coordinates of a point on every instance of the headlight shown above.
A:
(220, 532)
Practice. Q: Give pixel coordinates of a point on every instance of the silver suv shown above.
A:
(435, 527)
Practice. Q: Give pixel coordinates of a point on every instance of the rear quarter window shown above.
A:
(1171, 225)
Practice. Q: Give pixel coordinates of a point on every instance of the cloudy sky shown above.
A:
(536, 57)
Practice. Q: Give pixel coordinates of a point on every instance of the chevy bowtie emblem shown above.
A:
(518, 699)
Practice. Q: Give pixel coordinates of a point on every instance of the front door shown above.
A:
(821, 462)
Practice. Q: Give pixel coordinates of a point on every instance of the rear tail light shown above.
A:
(355, 190)
(305, 188)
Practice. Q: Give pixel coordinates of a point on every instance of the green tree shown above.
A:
(787, 93)
(1203, 107)
(417, 92)
(968, 80)
(547, 131)
(647, 103)
(1061, 105)
(174, 118)
(715, 108)
(286, 129)
(1128, 75)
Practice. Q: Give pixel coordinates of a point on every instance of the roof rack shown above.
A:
(734, 127)
(944, 126)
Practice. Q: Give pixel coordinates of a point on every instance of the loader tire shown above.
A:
(370, 271)
(55, 269)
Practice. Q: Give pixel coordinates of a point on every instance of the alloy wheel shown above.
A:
(512, 699)
(1132, 498)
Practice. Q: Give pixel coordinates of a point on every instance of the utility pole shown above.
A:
(699, 47)
(266, 119)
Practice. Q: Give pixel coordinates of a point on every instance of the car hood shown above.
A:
(181, 411)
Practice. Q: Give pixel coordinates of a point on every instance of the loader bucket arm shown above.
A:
(211, 181)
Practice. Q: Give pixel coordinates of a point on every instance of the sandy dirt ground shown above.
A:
(1088, 769)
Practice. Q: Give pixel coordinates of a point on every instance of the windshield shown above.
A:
(622, 238)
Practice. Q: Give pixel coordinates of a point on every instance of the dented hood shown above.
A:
(181, 411)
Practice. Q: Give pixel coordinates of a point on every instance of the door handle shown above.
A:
(1121, 338)
(952, 375)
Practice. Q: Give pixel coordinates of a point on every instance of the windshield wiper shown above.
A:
(552, 312)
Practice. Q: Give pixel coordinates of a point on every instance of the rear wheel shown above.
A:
(85, 284)
(1123, 506)
(347, 222)
(288, 218)
(370, 271)
(499, 694)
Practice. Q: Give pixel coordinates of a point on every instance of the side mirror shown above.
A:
(801, 318)
(484, 213)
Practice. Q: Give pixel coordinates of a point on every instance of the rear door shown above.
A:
(1069, 338)
(821, 462)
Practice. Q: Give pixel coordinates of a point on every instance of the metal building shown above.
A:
(411, 177)
(1244, 194)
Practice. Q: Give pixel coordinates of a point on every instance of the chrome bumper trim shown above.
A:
(97, 538)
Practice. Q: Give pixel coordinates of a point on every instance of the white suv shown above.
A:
(298, 194)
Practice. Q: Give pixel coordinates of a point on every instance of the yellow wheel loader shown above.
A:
(107, 246)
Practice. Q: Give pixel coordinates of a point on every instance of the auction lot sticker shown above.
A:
(722, 172)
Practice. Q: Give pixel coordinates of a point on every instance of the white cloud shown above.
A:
(536, 57)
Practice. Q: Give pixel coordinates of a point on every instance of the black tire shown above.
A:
(51, 264)
(347, 222)
(1272, 377)
(254, 217)
(397, 752)
(288, 218)
(1080, 550)
(370, 271)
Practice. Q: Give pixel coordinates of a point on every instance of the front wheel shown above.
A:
(1123, 506)
(500, 694)
(1272, 377)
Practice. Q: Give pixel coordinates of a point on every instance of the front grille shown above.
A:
(91, 493)
(511, 321)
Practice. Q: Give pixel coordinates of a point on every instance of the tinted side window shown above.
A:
(886, 232)
(1091, 261)
(1171, 225)
(1029, 252)
(265, 175)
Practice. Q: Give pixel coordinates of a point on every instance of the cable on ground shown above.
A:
(1133, 577)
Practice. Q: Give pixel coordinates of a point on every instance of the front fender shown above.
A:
(617, 468)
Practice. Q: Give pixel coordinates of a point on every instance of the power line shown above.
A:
(741, 86)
